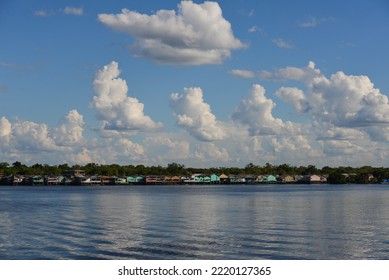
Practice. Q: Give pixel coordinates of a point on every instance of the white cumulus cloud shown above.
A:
(207, 151)
(344, 147)
(114, 108)
(167, 148)
(336, 102)
(195, 34)
(33, 137)
(295, 96)
(347, 101)
(255, 111)
(5, 127)
(27, 140)
(70, 130)
(193, 114)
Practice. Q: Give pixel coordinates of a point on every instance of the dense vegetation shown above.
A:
(335, 174)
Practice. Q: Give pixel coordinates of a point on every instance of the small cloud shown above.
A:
(66, 11)
(246, 13)
(43, 13)
(242, 73)
(346, 45)
(73, 11)
(281, 43)
(255, 28)
(266, 75)
(313, 22)
(17, 67)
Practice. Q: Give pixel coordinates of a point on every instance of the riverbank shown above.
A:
(79, 178)
(174, 173)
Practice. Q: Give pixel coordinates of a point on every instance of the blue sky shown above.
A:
(200, 83)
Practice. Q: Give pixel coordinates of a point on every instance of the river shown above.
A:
(195, 222)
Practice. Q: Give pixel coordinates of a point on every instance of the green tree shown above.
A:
(336, 177)
(175, 169)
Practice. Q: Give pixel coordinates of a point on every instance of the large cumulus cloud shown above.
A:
(193, 114)
(255, 111)
(114, 108)
(342, 101)
(70, 131)
(195, 34)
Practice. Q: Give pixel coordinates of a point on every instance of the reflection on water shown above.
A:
(194, 222)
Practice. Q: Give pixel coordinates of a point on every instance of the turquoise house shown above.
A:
(131, 179)
(215, 179)
(206, 179)
(201, 179)
(135, 179)
(35, 180)
(267, 179)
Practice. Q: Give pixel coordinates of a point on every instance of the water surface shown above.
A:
(195, 222)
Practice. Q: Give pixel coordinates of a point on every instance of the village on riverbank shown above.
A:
(176, 174)
(79, 178)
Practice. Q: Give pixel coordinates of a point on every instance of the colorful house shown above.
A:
(223, 178)
(267, 179)
(118, 181)
(286, 179)
(311, 179)
(153, 180)
(236, 179)
(35, 180)
(215, 179)
(131, 179)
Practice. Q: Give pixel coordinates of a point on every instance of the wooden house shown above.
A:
(310, 179)
(105, 180)
(12, 180)
(223, 178)
(285, 179)
(153, 180)
(236, 179)
(53, 180)
(175, 180)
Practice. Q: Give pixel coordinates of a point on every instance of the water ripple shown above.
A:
(194, 222)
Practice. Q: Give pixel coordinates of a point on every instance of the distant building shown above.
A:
(73, 173)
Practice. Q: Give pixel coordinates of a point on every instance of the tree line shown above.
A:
(338, 175)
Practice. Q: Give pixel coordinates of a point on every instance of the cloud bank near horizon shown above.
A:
(345, 120)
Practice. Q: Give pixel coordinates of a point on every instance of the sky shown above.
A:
(199, 83)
